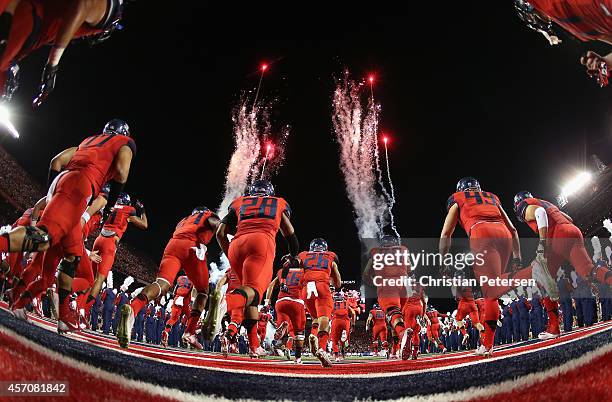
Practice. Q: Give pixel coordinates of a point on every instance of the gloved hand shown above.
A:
(47, 84)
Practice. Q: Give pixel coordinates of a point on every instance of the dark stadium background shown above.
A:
(471, 92)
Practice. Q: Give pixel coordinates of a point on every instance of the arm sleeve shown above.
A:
(541, 217)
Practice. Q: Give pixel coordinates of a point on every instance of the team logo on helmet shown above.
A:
(261, 188)
(117, 127)
(124, 199)
(318, 244)
(518, 200)
(468, 183)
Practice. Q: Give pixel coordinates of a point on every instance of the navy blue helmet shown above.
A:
(124, 199)
(318, 244)
(518, 199)
(117, 127)
(261, 188)
(468, 183)
(199, 209)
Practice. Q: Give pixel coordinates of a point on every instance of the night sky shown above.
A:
(471, 92)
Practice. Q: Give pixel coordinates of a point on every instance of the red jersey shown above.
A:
(95, 156)
(433, 316)
(263, 319)
(474, 207)
(92, 224)
(258, 214)
(195, 227)
(25, 219)
(293, 282)
(117, 221)
(378, 317)
(585, 19)
(465, 293)
(341, 310)
(555, 217)
(317, 265)
(183, 286)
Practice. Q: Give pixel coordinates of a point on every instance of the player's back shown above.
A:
(317, 265)
(118, 219)
(95, 156)
(475, 207)
(555, 216)
(293, 282)
(378, 317)
(340, 310)
(259, 214)
(195, 227)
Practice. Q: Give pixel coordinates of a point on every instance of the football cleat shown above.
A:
(281, 331)
(126, 323)
(480, 351)
(68, 318)
(323, 357)
(164, 339)
(261, 351)
(192, 340)
(406, 344)
(298, 361)
(547, 335)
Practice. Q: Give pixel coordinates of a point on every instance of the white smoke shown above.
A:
(356, 134)
(252, 132)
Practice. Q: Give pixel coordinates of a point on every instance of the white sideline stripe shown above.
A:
(513, 384)
(369, 375)
(470, 393)
(155, 390)
(259, 363)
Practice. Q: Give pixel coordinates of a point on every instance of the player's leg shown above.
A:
(410, 311)
(324, 306)
(376, 330)
(72, 246)
(392, 308)
(106, 247)
(197, 272)
(298, 322)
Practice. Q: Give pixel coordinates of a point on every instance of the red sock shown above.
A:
(323, 338)
(253, 338)
(552, 308)
(289, 344)
(4, 243)
(137, 304)
(192, 323)
(235, 305)
(375, 347)
(489, 334)
(399, 330)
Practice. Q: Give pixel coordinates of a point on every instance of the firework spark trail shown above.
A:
(392, 188)
(356, 136)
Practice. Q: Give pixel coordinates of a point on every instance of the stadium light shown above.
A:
(576, 184)
(6, 122)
